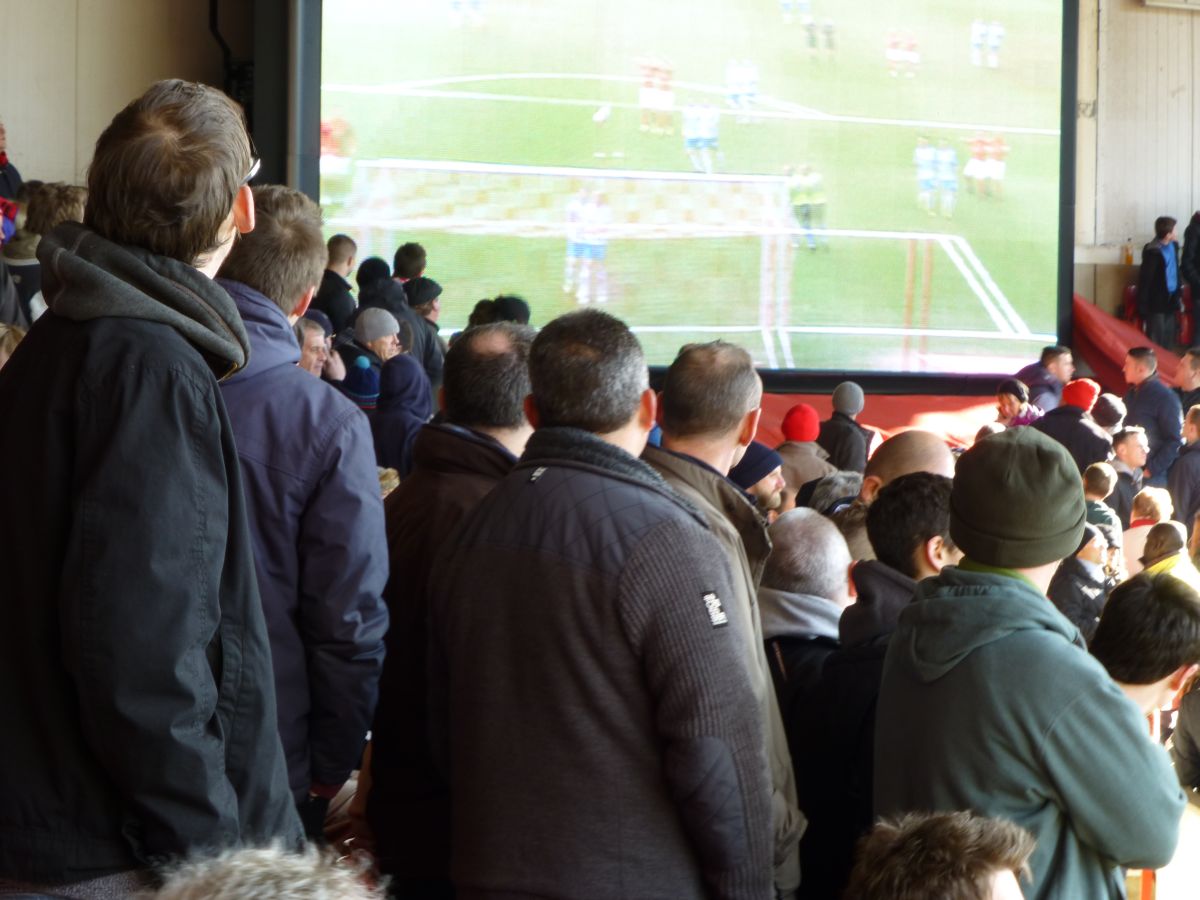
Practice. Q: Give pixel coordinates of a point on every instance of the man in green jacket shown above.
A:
(990, 703)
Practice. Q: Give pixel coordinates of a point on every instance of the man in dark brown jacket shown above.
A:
(590, 691)
(455, 465)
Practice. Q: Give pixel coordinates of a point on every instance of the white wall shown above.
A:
(70, 65)
(1139, 158)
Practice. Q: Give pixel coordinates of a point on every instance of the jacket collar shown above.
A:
(453, 449)
(575, 447)
(808, 448)
(785, 614)
(883, 592)
(86, 276)
(722, 495)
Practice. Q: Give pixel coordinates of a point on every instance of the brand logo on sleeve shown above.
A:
(716, 612)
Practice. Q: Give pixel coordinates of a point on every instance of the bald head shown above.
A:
(903, 454)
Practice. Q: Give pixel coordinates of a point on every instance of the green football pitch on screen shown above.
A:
(855, 186)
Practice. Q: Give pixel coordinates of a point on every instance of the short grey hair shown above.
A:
(809, 556)
(587, 371)
(268, 873)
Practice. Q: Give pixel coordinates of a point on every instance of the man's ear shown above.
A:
(531, 412)
(647, 410)
(870, 487)
(302, 307)
(243, 210)
(749, 426)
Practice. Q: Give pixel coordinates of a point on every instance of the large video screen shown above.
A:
(868, 186)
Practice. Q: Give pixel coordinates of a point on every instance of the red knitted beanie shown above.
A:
(1081, 392)
(801, 423)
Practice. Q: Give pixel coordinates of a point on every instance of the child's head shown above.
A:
(1153, 503)
(1099, 480)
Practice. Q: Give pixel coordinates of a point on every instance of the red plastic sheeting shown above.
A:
(1102, 340)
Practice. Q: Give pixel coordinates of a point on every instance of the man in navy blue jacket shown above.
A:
(316, 517)
(1155, 407)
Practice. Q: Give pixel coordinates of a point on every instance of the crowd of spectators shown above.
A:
(599, 642)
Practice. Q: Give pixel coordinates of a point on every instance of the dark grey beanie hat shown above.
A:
(1017, 501)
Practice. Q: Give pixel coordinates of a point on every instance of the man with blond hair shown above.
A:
(135, 671)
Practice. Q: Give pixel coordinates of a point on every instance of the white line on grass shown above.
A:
(454, 165)
(786, 343)
(985, 298)
(988, 282)
(785, 109)
(857, 330)
(768, 339)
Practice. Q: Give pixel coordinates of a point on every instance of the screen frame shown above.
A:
(303, 104)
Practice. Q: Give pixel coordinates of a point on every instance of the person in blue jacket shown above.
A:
(316, 515)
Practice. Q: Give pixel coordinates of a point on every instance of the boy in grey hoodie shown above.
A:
(990, 703)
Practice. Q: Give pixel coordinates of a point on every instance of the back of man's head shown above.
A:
(1017, 501)
(1163, 226)
(1109, 412)
(1149, 628)
(341, 248)
(409, 261)
(1099, 480)
(486, 376)
(370, 271)
(708, 390)
(905, 515)
(1145, 357)
(903, 454)
(53, 203)
(950, 856)
(167, 170)
(587, 371)
(808, 556)
(1052, 353)
(511, 308)
(285, 254)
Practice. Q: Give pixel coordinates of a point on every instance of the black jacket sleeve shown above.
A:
(1152, 283)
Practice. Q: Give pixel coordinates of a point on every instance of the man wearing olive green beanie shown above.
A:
(989, 701)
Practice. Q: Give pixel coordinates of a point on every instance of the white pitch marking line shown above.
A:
(984, 297)
(976, 263)
(424, 88)
(786, 343)
(768, 340)
(860, 331)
